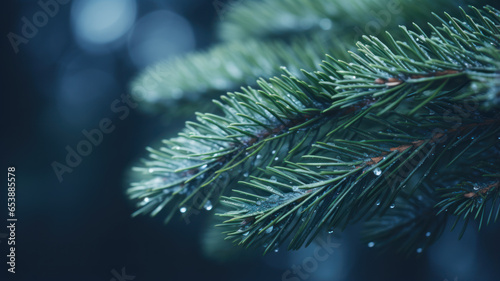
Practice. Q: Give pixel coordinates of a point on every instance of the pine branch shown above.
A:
(210, 153)
(199, 77)
(410, 227)
(362, 123)
(348, 180)
(302, 16)
(477, 198)
(347, 184)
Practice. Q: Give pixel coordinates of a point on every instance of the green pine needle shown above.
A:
(304, 153)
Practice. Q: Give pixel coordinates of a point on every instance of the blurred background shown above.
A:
(65, 75)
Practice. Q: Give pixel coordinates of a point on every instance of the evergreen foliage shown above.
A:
(337, 17)
(403, 135)
(252, 47)
(200, 77)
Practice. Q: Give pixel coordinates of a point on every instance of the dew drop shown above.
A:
(269, 230)
(245, 174)
(273, 178)
(258, 203)
(371, 244)
(146, 200)
(419, 250)
(276, 250)
(204, 166)
(246, 233)
(377, 172)
(378, 203)
(428, 234)
(276, 159)
(392, 206)
(274, 151)
(330, 231)
(476, 187)
(258, 156)
(183, 209)
(208, 205)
